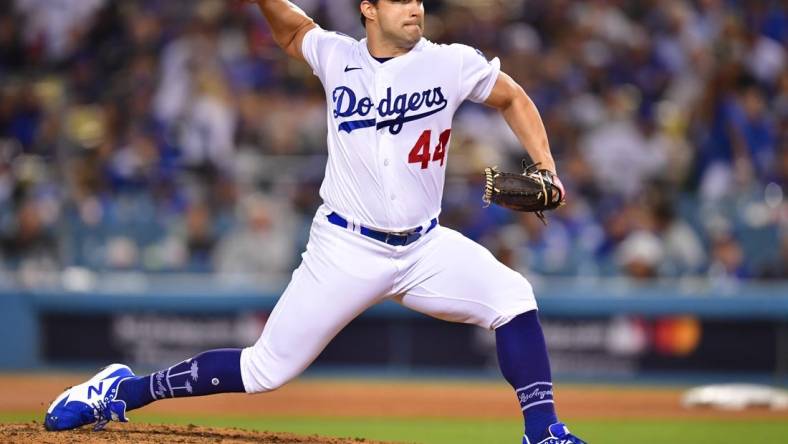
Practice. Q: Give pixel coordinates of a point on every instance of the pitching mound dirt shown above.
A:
(32, 432)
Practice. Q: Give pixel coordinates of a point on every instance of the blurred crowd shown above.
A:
(141, 135)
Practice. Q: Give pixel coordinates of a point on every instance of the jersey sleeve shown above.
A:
(477, 74)
(319, 47)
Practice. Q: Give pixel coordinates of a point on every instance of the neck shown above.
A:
(383, 48)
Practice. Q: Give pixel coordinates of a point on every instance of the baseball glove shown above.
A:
(534, 190)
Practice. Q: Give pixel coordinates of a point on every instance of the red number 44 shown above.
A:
(421, 151)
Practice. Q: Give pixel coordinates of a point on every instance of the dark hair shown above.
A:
(364, 19)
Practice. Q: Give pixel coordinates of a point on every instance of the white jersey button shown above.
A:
(386, 162)
(393, 197)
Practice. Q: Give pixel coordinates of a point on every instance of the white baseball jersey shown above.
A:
(389, 124)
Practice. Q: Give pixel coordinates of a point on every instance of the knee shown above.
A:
(516, 305)
(258, 376)
(274, 382)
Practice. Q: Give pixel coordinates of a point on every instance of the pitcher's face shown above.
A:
(401, 21)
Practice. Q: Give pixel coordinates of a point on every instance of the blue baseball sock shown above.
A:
(522, 355)
(211, 372)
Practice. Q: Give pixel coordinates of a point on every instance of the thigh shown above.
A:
(339, 277)
(458, 280)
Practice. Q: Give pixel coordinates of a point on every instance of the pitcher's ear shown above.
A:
(369, 11)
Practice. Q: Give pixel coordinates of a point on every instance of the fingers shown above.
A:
(559, 197)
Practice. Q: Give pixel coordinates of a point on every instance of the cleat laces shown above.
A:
(101, 412)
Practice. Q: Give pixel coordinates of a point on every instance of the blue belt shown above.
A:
(398, 240)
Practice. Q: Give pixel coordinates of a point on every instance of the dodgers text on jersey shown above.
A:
(404, 108)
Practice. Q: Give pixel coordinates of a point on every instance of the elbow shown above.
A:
(519, 96)
(508, 95)
(290, 42)
(517, 99)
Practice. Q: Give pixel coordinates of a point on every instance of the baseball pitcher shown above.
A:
(390, 102)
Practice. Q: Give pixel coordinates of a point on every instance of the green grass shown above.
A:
(446, 431)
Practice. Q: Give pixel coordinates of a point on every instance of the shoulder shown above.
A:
(321, 47)
(430, 47)
(466, 51)
(456, 50)
(443, 51)
(330, 37)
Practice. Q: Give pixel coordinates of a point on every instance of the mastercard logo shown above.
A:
(677, 336)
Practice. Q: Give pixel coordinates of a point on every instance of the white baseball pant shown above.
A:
(443, 274)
